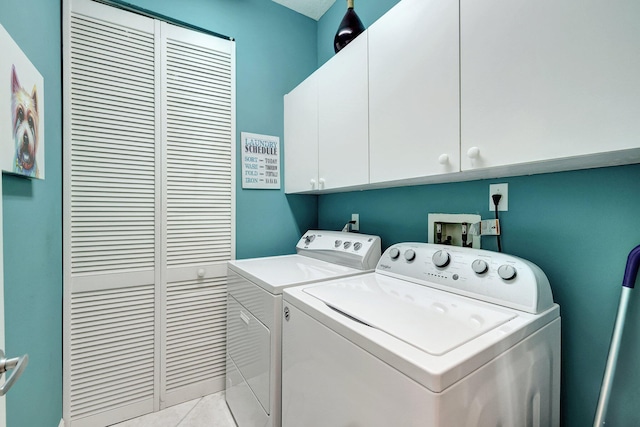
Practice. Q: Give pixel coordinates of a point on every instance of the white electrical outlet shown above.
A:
(356, 225)
(503, 190)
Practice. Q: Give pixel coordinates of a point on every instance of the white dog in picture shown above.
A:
(25, 119)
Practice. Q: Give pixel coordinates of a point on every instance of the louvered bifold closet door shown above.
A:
(199, 134)
(111, 216)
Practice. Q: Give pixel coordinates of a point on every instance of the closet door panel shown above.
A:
(198, 107)
(110, 216)
(148, 212)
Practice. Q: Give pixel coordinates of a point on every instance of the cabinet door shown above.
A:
(414, 91)
(546, 80)
(301, 137)
(344, 118)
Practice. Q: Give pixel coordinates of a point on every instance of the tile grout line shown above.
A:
(189, 411)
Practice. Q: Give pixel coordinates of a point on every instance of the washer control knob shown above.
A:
(394, 253)
(409, 254)
(338, 243)
(441, 259)
(479, 266)
(507, 272)
(347, 245)
(310, 238)
(357, 246)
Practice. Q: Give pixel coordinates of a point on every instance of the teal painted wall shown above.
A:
(577, 226)
(32, 232)
(275, 51)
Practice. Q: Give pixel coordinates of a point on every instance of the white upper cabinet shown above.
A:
(441, 90)
(343, 118)
(547, 80)
(301, 137)
(414, 91)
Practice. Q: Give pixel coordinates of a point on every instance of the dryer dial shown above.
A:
(410, 255)
(441, 259)
(479, 266)
(394, 253)
(507, 272)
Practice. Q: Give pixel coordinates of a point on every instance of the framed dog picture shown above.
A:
(21, 112)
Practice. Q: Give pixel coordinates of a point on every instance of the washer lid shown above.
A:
(430, 320)
(278, 272)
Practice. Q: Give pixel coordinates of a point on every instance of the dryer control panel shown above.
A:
(361, 251)
(489, 276)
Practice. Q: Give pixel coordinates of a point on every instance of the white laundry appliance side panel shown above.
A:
(256, 300)
(321, 369)
(329, 381)
(521, 387)
(245, 407)
(247, 384)
(248, 346)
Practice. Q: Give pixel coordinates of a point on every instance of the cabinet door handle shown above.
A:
(321, 184)
(17, 364)
(313, 184)
(473, 153)
(443, 159)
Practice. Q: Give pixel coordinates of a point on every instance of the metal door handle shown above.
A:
(17, 364)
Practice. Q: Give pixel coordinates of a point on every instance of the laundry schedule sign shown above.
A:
(260, 161)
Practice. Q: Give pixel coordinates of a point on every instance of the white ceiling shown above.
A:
(312, 8)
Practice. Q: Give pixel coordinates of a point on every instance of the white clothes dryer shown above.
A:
(437, 336)
(254, 321)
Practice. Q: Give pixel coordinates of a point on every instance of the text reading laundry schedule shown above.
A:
(260, 161)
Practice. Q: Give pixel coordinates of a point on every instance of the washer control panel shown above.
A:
(355, 250)
(489, 276)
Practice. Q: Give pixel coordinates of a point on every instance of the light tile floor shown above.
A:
(208, 411)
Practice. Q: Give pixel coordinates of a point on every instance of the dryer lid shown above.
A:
(278, 272)
(431, 320)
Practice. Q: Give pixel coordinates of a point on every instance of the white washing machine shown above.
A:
(437, 336)
(254, 321)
